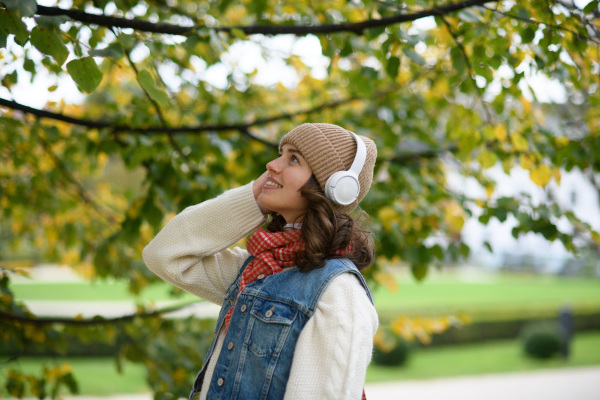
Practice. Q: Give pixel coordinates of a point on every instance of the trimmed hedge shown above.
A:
(542, 340)
(507, 329)
(396, 356)
(471, 333)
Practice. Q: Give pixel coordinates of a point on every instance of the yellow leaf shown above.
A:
(562, 141)
(454, 217)
(178, 375)
(441, 87)
(526, 105)
(387, 215)
(557, 175)
(519, 143)
(540, 175)
(70, 257)
(525, 161)
(387, 280)
(500, 132)
(487, 159)
(5, 298)
(595, 236)
(65, 369)
(102, 159)
(38, 336)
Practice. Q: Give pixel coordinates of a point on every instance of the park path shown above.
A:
(560, 384)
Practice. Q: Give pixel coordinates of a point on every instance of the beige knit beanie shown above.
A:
(329, 148)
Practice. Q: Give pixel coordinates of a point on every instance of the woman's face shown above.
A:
(286, 175)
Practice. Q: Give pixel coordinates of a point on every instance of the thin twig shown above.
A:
(471, 72)
(90, 321)
(162, 119)
(108, 214)
(533, 21)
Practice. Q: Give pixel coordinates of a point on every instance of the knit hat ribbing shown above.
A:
(328, 148)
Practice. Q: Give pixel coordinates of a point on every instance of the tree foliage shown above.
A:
(451, 93)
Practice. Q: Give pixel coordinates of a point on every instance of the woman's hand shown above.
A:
(257, 187)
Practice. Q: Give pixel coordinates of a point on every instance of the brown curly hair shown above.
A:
(324, 230)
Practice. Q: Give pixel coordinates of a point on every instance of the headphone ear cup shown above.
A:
(342, 188)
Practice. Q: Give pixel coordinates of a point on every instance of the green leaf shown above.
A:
(27, 8)
(591, 6)
(468, 15)
(369, 73)
(392, 66)
(29, 66)
(347, 49)
(115, 51)
(419, 271)
(372, 33)
(238, 33)
(3, 37)
(85, 73)
(414, 57)
(527, 35)
(48, 41)
(147, 82)
(128, 41)
(9, 79)
(522, 12)
(12, 24)
(51, 21)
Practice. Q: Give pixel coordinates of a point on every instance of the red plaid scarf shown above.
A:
(272, 251)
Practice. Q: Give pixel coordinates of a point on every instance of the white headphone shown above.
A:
(342, 187)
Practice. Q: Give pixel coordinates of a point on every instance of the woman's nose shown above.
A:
(273, 166)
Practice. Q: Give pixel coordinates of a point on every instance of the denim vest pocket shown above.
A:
(269, 326)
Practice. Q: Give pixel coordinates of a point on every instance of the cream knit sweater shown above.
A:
(334, 348)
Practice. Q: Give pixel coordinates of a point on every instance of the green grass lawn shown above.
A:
(424, 363)
(485, 358)
(496, 296)
(92, 291)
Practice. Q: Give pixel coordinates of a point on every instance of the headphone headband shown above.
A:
(361, 154)
(343, 187)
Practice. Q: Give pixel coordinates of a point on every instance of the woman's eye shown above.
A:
(295, 159)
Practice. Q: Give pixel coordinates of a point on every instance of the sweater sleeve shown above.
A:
(191, 251)
(335, 346)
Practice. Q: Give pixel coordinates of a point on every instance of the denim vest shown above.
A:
(257, 353)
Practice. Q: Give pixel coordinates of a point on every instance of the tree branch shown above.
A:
(97, 320)
(243, 128)
(170, 29)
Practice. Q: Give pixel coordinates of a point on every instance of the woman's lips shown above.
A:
(272, 184)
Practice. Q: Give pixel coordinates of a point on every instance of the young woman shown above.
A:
(297, 320)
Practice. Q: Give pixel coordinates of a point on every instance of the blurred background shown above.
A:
(484, 206)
